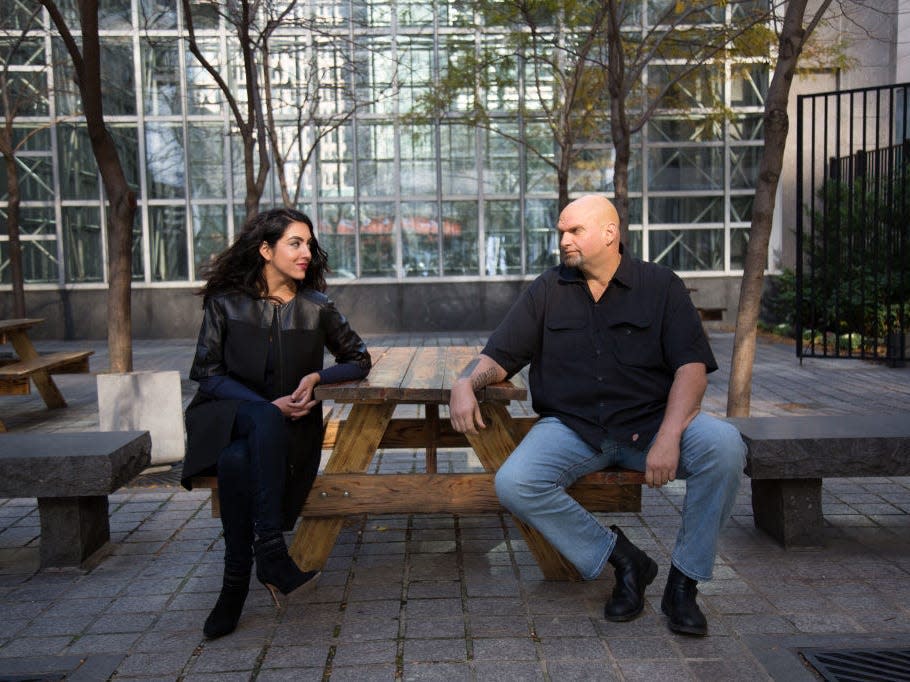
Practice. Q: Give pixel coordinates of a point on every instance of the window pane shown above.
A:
(543, 241)
(747, 127)
(82, 235)
(687, 168)
(209, 234)
(39, 261)
(457, 50)
(415, 13)
(687, 249)
(158, 14)
(114, 14)
(167, 232)
(377, 240)
(503, 238)
(35, 174)
(206, 152)
(741, 208)
(118, 90)
(459, 159)
(376, 162)
(419, 239)
(337, 230)
(203, 93)
(748, 85)
(592, 169)
(541, 174)
(686, 209)
(372, 13)
(701, 129)
(459, 237)
(336, 169)
(165, 160)
(161, 76)
(744, 162)
(699, 88)
(501, 161)
(739, 242)
(375, 71)
(418, 160)
(415, 70)
(26, 94)
(78, 171)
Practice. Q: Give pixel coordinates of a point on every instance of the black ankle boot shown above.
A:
(224, 617)
(276, 570)
(679, 605)
(635, 570)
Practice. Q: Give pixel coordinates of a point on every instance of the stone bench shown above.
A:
(71, 474)
(789, 456)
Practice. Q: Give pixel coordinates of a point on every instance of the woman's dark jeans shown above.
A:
(251, 476)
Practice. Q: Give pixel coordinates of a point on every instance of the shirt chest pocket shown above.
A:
(568, 334)
(636, 343)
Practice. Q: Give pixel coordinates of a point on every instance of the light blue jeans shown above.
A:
(532, 485)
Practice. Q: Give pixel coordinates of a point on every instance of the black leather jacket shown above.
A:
(238, 339)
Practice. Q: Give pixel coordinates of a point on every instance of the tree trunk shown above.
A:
(621, 183)
(121, 198)
(792, 39)
(12, 229)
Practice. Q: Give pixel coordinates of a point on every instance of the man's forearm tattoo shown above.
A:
(488, 376)
(484, 378)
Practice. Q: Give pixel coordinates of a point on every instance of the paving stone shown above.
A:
(493, 671)
(504, 649)
(364, 673)
(362, 653)
(434, 650)
(437, 672)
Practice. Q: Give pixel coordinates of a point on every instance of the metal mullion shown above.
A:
(143, 156)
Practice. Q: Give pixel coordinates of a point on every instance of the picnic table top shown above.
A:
(19, 324)
(417, 374)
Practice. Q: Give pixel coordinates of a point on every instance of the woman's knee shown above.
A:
(264, 414)
(234, 462)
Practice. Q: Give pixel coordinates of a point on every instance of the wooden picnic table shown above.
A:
(423, 376)
(28, 364)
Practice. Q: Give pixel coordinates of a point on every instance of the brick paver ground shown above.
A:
(458, 597)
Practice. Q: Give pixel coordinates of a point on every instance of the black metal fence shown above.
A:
(853, 226)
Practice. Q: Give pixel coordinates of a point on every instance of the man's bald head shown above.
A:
(589, 234)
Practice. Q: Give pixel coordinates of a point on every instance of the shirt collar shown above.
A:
(624, 275)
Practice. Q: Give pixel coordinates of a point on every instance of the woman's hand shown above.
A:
(301, 401)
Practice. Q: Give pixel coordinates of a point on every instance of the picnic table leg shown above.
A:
(492, 446)
(43, 381)
(355, 446)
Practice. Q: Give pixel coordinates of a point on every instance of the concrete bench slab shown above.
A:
(789, 456)
(71, 475)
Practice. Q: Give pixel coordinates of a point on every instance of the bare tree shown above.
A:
(16, 98)
(794, 33)
(85, 55)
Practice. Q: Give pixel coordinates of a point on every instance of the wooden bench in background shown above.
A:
(28, 365)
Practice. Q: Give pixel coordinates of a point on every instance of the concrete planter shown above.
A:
(145, 401)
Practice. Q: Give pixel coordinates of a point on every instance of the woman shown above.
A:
(254, 420)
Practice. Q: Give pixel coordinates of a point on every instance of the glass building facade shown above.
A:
(394, 198)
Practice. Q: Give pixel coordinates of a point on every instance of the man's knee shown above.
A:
(728, 448)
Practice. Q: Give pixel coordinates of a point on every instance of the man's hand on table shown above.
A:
(464, 410)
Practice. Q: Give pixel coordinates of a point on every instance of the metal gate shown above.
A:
(853, 224)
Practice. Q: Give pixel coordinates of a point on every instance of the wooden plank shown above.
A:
(60, 362)
(354, 449)
(18, 386)
(382, 383)
(424, 381)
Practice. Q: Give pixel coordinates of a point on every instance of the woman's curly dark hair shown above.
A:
(240, 266)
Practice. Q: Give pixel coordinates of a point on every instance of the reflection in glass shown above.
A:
(209, 235)
(418, 160)
(336, 168)
(203, 94)
(687, 250)
(376, 223)
(541, 173)
(592, 169)
(167, 234)
(458, 156)
(39, 261)
(376, 159)
(501, 160)
(739, 243)
(83, 258)
(158, 14)
(336, 230)
(748, 85)
(744, 163)
(164, 160)
(26, 93)
(747, 127)
(126, 140)
(206, 159)
(119, 91)
(502, 247)
(161, 76)
(686, 88)
(541, 216)
(35, 177)
(681, 168)
(459, 237)
(78, 170)
(419, 239)
(675, 129)
(415, 71)
(686, 209)
(741, 208)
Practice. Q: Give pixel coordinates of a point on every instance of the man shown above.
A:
(618, 362)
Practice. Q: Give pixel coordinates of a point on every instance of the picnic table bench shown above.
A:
(71, 474)
(15, 372)
(789, 456)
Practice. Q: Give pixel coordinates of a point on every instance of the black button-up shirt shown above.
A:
(604, 368)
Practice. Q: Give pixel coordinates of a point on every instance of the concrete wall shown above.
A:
(371, 308)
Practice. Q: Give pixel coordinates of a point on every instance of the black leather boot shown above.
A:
(224, 617)
(635, 570)
(679, 605)
(276, 570)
